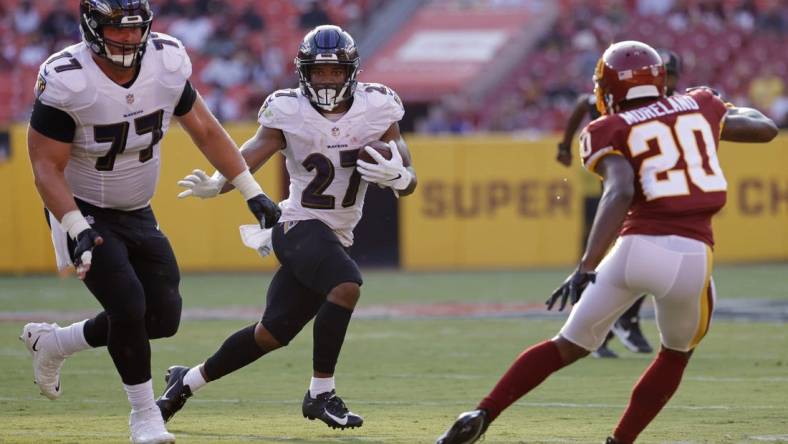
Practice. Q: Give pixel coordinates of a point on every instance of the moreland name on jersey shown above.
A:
(115, 150)
(321, 153)
(672, 147)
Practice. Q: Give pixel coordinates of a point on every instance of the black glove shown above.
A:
(571, 289)
(265, 210)
(86, 241)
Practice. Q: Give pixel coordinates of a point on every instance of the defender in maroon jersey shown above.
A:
(657, 157)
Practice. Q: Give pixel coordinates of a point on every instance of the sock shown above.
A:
(239, 350)
(329, 331)
(194, 379)
(71, 339)
(320, 385)
(651, 393)
(140, 395)
(528, 371)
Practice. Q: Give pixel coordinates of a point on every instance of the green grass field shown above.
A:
(408, 378)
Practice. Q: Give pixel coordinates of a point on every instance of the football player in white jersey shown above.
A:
(319, 128)
(102, 107)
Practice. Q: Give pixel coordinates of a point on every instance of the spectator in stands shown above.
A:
(192, 29)
(314, 16)
(26, 18)
(61, 23)
(766, 88)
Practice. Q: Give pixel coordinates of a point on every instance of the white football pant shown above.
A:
(675, 269)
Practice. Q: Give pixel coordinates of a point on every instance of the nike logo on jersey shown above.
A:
(340, 421)
(36, 343)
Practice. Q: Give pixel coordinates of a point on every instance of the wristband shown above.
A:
(246, 184)
(74, 223)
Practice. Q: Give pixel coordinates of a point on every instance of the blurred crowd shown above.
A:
(243, 49)
(735, 46)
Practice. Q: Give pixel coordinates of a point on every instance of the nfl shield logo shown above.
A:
(130, 98)
(335, 132)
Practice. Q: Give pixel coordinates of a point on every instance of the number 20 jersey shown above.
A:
(320, 154)
(672, 145)
(115, 152)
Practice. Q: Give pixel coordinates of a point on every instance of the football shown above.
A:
(378, 145)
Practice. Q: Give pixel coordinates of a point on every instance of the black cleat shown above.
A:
(628, 332)
(176, 394)
(329, 408)
(604, 351)
(611, 440)
(467, 429)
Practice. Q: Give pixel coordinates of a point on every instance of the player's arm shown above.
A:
(618, 191)
(564, 155)
(256, 151)
(747, 125)
(48, 158)
(217, 146)
(396, 173)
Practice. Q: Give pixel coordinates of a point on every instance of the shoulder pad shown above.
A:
(384, 101)
(598, 139)
(62, 82)
(278, 108)
(172, 55)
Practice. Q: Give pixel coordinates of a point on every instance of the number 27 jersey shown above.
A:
(672, 146)
(320, 153)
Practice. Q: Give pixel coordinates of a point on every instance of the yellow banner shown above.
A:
(203, 233)
(482, 203)
(490, 202)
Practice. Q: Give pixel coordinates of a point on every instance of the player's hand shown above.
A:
(571, 289)
(83, 252)
(391, 173)
(265, 210)
(564, 155)
(198, 184)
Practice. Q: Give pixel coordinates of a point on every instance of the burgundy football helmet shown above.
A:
(627, 70)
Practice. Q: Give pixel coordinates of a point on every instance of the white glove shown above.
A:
(198, 184)
(391, 173)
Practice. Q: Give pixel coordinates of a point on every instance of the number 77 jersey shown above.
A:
(321, 153)
(672, 145)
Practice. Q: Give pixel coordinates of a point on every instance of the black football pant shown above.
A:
(135, 277)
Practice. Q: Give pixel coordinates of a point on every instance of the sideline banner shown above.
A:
(203, 233)
(490, 202)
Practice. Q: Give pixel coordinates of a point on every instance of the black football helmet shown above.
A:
(95, 14)
(327, 44)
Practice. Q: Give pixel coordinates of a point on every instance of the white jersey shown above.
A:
(321, 153)
(115, 153)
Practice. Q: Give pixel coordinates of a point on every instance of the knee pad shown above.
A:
(163, 320)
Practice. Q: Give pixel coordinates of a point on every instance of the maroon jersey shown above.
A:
(671, 144)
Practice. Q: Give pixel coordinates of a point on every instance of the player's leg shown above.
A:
(589, 322)
(289, 306)
(627, 329)
(684, 299)
(320, 262)
(157, 269)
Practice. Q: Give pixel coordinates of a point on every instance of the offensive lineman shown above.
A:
(102, 107)
(659, 196)
(319, 128)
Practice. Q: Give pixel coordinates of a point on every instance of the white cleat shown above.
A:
(39, 338)
(147, 427)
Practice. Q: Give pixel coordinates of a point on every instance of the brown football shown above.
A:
(378, 145)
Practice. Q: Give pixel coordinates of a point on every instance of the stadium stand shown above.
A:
(243, 49)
